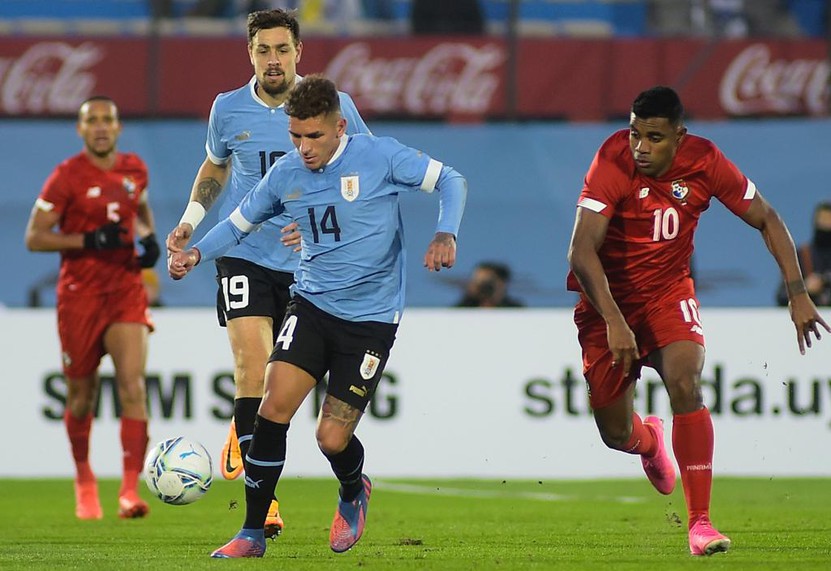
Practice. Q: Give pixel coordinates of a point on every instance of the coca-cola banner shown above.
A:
(447, 78)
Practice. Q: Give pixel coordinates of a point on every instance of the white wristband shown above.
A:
(194, 213)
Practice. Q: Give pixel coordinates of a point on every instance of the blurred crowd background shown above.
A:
(516, 94)
(596, 18)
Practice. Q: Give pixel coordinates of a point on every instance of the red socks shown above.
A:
(642, 441)
(134, 444)
(78, 430)
(692, 442)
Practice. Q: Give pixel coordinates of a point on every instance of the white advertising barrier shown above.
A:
(466, 393)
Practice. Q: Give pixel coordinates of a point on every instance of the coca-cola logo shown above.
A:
(450, 78)
(754, 83)
(48, 78)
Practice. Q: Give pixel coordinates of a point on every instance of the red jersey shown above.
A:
(86, 198)
(652, 221)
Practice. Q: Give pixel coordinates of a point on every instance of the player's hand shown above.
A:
(806, 320)
(152, 251)
(179, 237)
(291, 236)
(622, 344)
(106, 237)
(180, 263)
(441, 253)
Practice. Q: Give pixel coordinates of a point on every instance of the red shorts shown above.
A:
(670, 316)
(83, 319)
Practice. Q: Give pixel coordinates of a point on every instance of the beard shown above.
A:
(101, 152)
(275, 90)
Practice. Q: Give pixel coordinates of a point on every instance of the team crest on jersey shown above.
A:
(245, 135)
(349, 187)
(369, 366)
(94, 192)
(680, 190)
(129, 185)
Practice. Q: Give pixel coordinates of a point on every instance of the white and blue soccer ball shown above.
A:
(178, 471)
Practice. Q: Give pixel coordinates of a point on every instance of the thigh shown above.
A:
(126, 343)
(302, 339)
(81, 326)
(605, 383)
(673, 316)
(361, 351)
(286, 387)
(679, 364)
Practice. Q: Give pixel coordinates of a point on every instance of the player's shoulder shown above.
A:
(614, 155)
(345, 99)
(132, 161)
(72, 163)
(615, 145)
(233, 98)
(697, 146)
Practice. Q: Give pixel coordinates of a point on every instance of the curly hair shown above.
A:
(313, 96)
(268, 19)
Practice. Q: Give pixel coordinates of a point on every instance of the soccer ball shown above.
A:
(178, 471)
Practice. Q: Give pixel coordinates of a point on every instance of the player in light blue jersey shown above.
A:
(247, 132)
(349, 294)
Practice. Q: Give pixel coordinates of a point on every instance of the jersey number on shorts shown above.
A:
(236, 286)
(689, 309)
(286, 335)
(328, 224)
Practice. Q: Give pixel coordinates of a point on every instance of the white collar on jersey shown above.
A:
(252, 87)
(339, 151)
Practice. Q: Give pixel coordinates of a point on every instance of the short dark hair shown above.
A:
(93, 98)
(822, 207)
(659, 101)
(268, 19)
(313, 96)
(502, 271)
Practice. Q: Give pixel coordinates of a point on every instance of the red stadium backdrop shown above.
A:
(439, 78)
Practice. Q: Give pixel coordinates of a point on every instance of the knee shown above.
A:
(249, 379)
(685, 395)
(331, 442)
(615, 437)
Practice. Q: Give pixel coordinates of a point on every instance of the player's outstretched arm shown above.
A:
(441, 253)
(806, 319)
(587, 237)
(207, 186)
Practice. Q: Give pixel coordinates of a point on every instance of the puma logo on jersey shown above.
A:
(245, 135)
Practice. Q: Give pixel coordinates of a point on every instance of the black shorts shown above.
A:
(354, 353)
(246, 289)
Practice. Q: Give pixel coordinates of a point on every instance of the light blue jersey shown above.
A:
(252, 135)
(352, 263)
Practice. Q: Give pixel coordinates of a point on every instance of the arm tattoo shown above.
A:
(795, 288)
(207, 191)
(335, 410)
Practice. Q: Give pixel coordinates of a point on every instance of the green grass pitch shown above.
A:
(431, 524)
